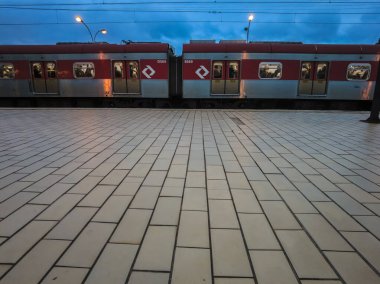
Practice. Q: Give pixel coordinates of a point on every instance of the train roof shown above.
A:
(85, 48)
(222, 47)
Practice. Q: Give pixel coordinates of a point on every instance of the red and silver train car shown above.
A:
(279, 70)
(85, 70)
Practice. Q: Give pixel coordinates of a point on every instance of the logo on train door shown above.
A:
(202, 72)
(151, 71)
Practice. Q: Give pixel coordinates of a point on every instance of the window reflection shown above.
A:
(84, 70)
(358, 71)
(233, 70)
(6, 71)
(37, 70)
(133, 70)
(218, 70)
(51, 72)
(270, 70)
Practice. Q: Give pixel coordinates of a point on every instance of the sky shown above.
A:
(178, 21)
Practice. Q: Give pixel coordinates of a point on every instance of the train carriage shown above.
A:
(85, 70)
(233, 69)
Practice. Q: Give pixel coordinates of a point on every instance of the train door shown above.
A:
(313, 78)
(44, 77)
(126, 77)
(225, 77)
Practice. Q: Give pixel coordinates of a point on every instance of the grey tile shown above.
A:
(196, 179)
(367, 245)
(15, 247)
(372, 223)
(297, 203)
(60, 207)
(229, 255)
(138, 277)
(222, 214)
(257, 232)
(113, 264)
(113, 209)
(85, 249)
(132, 226)
(272, 267)
(19, 218)
(69, 227)
(28, 270)
(352, 268)
(192, 265)
(264, 190)
(194, 199)
(146, 198)
(348, 204)
(279, 215)
(64, 275)
(245, 201)
(193, 230)
(166, 211)
(337, 217)
(326, 237)
(157, 249)
(304, 256)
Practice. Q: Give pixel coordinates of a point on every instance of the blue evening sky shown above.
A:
(178, 21)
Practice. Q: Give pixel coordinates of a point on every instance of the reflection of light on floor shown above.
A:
(107, 87)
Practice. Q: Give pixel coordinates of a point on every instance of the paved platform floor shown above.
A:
(188, 196)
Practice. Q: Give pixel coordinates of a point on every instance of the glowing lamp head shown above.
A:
(78, 19)
(251, 17)
(103, 31)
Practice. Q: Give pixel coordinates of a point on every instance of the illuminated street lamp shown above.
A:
(80, 20)
(103, 31)
(250, 19)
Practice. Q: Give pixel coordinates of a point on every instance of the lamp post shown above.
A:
(103, 31)
(80, 20)
(250, 19)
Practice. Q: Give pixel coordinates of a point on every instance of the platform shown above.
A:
(188, 196)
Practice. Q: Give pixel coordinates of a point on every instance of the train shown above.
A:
(233, 70)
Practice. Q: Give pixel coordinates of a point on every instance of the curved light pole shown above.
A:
(80, 20)
(103, 31)
(250, 19)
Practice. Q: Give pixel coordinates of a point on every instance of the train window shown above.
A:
(358, 71)
(270, 70)
(322, 71)
(233, 70)
(50, 70)
(37, 70)
(133, 70)
(7, 71)
(84, 70)
(306, 71)
(218, 70)
(118, 70)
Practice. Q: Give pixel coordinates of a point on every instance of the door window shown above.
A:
(322, 71)
(233, 70)
(50, 70)
(218, 70)
(306, 71)
(37, 70)
(118, 70)
(133, 70)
